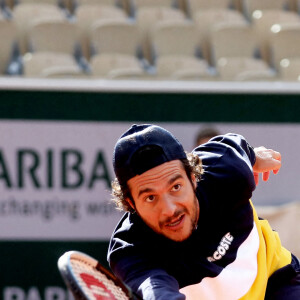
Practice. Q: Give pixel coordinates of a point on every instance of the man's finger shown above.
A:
(256, 177)
(266, 176)
(276, 155)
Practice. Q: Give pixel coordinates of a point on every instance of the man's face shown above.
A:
(165, 199)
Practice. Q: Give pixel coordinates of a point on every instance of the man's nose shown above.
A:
(168, 206)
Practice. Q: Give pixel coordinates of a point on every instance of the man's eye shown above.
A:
(150, 198)
(176, 187)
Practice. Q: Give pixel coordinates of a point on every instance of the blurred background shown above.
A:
(75, 74)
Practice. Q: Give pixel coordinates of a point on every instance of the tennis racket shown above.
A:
(87, 279)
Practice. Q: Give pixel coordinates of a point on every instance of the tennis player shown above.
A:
(190, 230)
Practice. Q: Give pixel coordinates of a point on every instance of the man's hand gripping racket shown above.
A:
(87, 279)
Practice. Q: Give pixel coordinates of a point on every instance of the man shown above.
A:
(191, 231)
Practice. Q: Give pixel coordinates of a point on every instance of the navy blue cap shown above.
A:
(143, 147)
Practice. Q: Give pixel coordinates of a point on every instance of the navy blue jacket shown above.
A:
(156, 267)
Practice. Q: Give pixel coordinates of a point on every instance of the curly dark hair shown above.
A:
(121, 192)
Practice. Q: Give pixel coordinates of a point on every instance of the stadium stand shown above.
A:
(235, 53)
(9, 55)
(206, 20)
(232, 40)
(246, 68)
(124, 44)
(87, 14)
(164, 37)
(57, 37)
(289, 69)
(63, 4)
(123, 4)
(99, 2)
(150, 3)
(50, 64)
(26, 14)
(195, 6)
(249, 6)
(263, 22)
(165, 43)
(177, 67)
(293, 5)
(7, 3)
(124, 33)
(237, 5)
(283, 35)
(52, 35)
(257, 75)
(116, 66)
(147, 18)
(53, 2)
(179, 5)
(222, 36)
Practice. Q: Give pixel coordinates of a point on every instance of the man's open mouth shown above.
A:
(176, 222)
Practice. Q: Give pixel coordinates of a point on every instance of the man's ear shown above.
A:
(129, 201)
(194, 181)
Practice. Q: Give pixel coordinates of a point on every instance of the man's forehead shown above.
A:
(152, 177)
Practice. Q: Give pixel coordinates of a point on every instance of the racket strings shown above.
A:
(96, 284)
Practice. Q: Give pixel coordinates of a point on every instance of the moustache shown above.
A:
(172, 218)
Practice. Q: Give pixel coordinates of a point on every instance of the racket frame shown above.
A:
(71, 281)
